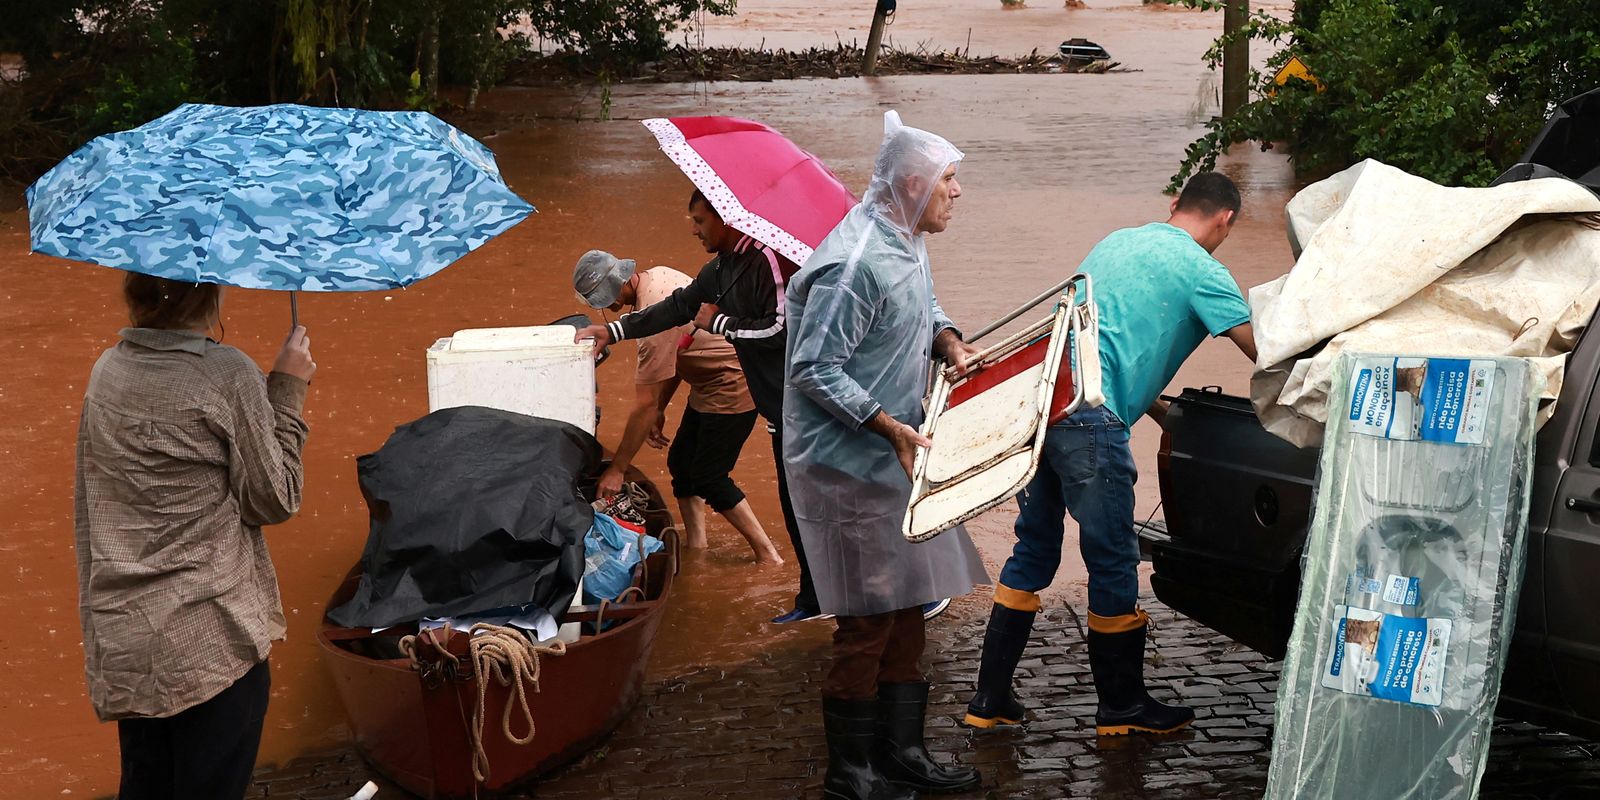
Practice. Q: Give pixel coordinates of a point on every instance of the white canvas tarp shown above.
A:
(1395, 263)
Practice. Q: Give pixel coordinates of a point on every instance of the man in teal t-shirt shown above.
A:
(1160, 293)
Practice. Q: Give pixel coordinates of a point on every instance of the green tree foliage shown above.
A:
(90, 66)
(94, 66)
(1451, 91)
(614, 33)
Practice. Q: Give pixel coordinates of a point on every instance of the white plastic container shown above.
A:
(570, 632)
(537, 371)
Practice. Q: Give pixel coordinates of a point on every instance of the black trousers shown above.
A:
(206, 752)
(704, 451)
(806, 598)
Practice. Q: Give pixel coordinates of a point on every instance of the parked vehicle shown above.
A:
(1238, 502)
(1083, 50)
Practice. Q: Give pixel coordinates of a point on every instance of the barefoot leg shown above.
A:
(744, 520)
(693, 510)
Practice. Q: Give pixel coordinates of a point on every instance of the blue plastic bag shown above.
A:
(609, 553)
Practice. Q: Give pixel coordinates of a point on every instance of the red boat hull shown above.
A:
(415, 732)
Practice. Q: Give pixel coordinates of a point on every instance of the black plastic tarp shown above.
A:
(472, 509)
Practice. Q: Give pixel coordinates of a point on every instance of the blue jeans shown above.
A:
(1086, 469)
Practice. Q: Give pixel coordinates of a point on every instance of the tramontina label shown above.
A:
(1388, 657)
(1430, 399)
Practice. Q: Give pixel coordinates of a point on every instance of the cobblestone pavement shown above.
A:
(755, 730)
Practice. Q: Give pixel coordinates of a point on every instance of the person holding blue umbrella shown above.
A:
(185, 450)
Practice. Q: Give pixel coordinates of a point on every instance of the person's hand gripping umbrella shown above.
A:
(758, 181)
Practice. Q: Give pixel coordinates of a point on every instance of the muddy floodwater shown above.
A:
(1053, 163)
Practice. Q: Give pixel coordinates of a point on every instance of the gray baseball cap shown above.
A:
(599, 276)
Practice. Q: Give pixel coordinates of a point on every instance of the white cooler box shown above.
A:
(537, 371)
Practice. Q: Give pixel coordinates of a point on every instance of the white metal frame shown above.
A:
(945, 382)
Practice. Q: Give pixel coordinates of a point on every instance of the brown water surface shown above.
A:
(1053, 163)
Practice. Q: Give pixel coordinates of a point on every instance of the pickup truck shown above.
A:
(1238, 502)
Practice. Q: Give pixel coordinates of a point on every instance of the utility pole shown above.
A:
(880, 17)
(1235, 58)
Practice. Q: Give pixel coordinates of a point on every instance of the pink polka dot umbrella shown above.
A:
(761, 183)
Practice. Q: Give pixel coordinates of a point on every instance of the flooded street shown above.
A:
(1054, 162)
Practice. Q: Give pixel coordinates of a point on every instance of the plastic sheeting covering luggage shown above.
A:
(610, 552)
(472, 509)
(1410, 584)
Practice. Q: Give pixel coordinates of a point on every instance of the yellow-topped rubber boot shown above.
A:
(1010, 623)
(1116, 657)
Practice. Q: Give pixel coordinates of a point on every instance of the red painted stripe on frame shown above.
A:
(1000, 371)
(1013, 365)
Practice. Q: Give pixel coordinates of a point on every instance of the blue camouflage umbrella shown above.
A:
(282, 197)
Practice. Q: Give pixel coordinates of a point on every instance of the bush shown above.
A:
(101, 67)
(144, 85)
(1452, 92)
(618, 33)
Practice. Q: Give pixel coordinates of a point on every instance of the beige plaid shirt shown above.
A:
(184, 452)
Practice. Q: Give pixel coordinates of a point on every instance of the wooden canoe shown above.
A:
(414, 730)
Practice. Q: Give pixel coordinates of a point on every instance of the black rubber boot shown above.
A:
(1003, 642)
(1117, 661)
(851, 727)
(903, 752)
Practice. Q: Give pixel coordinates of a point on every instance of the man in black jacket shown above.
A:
(738, 294)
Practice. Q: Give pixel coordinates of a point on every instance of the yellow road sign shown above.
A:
(1296, 69)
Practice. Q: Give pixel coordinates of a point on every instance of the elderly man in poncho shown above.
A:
(864, 325)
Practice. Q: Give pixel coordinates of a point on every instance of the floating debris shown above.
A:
(841, 61)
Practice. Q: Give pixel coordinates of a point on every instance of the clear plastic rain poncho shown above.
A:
(862, 319)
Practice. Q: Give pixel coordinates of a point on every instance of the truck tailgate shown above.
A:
(1237, 502)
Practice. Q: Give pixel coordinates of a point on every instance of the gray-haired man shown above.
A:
(720, 413)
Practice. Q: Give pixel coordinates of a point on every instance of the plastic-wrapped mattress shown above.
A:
(1410, 583)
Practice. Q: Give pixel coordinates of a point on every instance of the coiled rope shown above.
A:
(512, 660)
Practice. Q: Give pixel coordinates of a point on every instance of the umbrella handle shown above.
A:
(294, 310)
